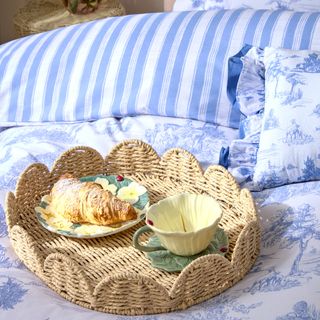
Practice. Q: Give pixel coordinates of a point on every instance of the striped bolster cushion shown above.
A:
(169, 64)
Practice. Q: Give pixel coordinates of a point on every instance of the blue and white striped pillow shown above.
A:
(170, 64)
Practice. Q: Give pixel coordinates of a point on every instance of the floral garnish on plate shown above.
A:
(131, 193)
(105, 184)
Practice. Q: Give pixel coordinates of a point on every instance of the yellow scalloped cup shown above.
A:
(185, 223)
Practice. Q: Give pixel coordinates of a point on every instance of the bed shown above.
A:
(175, 80)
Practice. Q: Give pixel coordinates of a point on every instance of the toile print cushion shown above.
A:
(289, 149)
(297, 5)
(187, 5)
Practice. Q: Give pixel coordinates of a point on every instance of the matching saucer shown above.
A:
(167, 261)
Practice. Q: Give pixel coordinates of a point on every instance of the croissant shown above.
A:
(88, 202)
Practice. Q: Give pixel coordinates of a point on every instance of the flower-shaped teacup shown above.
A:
(185, 223)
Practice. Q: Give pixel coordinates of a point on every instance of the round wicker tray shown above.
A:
(107, 274)
(44, 15)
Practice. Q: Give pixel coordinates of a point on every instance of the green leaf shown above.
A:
(43, 205)
(165, 260)
(76, 225)
(73, 5)
(143, 200)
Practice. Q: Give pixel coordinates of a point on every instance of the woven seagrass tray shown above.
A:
(44, 15)
(107, 274)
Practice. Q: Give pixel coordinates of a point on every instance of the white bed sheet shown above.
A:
(285, 281)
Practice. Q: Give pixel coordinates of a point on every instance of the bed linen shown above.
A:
(166, 64)
(289, 263)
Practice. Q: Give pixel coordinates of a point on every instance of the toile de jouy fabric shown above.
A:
(297, 5)
(290, 134)
(287, 270)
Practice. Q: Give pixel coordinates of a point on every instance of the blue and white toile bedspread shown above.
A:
(285, 281)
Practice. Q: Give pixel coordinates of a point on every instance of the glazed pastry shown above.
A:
(88, 202)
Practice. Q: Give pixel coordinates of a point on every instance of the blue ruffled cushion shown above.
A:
(243, 151)
(246, 91)
(246, 78)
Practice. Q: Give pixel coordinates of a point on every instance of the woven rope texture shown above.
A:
(44, 15)
(109, 275)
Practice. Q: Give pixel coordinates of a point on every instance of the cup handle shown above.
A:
(140, 247)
